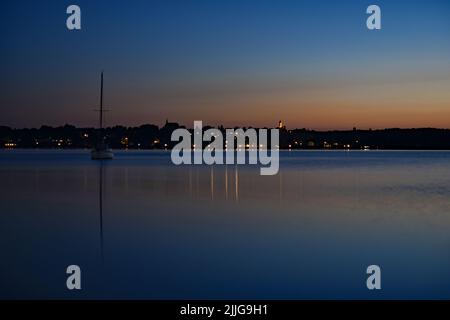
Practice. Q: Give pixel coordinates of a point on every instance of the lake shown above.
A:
(141, 228)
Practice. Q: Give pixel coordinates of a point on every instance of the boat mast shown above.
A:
(101, 102)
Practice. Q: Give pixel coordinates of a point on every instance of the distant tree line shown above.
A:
(152, 137)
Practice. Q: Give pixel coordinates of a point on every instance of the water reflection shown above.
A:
(236, 183)
(212, 183)
(226, 182)
(101, 166)
(225, 231)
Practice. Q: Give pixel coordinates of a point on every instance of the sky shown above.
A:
(311, 63)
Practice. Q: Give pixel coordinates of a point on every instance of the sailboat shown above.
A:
(101, 151)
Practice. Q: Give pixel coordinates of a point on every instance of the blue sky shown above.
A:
(236, 62)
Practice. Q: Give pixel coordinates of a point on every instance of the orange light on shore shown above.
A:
(10, 145)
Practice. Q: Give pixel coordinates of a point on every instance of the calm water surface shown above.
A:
(140, 227)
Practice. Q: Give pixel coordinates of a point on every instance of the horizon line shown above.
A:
(225, 127)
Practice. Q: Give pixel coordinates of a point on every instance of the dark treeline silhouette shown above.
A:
(152, 137)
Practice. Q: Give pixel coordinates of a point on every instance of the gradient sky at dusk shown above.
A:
(312, 63)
